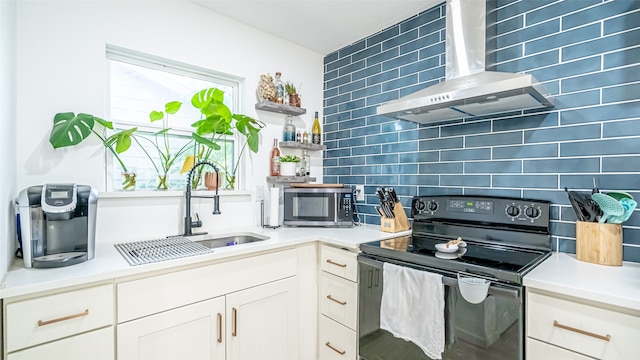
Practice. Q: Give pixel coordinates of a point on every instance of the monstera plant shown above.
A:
(70, 129)
(216, 124)
(161, 144)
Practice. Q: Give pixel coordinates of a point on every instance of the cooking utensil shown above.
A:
(629, 206)
(595, 187)
(609, 206)
(619, 195)
(584, 206)
(394, 196)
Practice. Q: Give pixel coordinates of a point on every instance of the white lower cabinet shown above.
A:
(580, 327)
(72, 324)
(539, 350)
(338, 304)
(256, 323)
(194, 332)
(262, 322)
(94, 345)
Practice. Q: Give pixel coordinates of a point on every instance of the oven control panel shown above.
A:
(500, 210)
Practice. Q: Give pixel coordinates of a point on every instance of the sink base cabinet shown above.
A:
(257, 323)
(262, 322)
(190, 332)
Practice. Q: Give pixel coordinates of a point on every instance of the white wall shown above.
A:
(62, 67)
(7, 131)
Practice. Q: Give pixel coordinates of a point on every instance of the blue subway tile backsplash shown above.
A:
(586, 53)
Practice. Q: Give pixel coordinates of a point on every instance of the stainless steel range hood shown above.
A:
(468, 90)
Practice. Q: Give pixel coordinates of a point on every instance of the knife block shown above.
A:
(398, 223)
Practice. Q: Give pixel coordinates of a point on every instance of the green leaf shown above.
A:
(69, 129)
(203, 98)
(107, 124)
(172, 107)
(163, 131)
(206, 142)
(219, 109)
(122, 139)
(156, 115)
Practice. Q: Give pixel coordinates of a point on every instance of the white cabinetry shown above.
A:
(65, 325)
(238, 310)
(262, 322)
(194, 332)
(574, 326)
(338, 304)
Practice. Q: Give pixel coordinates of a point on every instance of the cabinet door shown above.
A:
(262, 322)
(194, 332)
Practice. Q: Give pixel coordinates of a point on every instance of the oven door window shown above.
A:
(490, 330)
(310, 207)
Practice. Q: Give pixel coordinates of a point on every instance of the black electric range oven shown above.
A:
(504, 237)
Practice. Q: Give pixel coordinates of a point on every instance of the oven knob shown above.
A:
(432, 206)
(419, 205)
(532, 212)
(512, 210)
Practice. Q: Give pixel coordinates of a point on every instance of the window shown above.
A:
(141, 83)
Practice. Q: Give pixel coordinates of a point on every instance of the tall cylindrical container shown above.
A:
(274, 206)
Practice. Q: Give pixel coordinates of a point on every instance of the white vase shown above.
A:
(288, 169)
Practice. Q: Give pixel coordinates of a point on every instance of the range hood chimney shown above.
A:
(468, 90)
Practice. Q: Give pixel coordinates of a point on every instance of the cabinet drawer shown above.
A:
(337, 342)
(338, 299)
(339, 262)
(540, 350)
(34, 321)
(155, 294)
(586, 329)
(94, 345)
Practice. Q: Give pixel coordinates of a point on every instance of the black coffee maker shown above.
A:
(57, 224)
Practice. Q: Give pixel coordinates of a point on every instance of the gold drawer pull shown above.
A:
(235, 322)
(601, 337)
(335, 263)
(64, 318)
(335, 300)
(219, 328)
(328, 344)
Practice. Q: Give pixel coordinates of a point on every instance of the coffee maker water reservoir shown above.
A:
(58, 224)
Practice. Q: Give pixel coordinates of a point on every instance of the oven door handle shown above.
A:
(494, 288)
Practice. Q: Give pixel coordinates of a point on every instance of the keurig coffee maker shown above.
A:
(58, 224)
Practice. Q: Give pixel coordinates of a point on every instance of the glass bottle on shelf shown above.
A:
(289, 131)
(275, 159)
(280, 93)
(315, 131)
(306, 160)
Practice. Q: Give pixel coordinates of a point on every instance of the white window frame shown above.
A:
(158, 63)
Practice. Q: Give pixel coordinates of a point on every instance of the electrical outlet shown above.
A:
(359, 192)
(259, 193)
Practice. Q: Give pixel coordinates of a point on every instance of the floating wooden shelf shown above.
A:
(280, 108)
(297, 145)
(290, 179)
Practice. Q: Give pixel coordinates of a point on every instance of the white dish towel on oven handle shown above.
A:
(413, 307)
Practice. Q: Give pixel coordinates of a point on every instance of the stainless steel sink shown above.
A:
(215, 241)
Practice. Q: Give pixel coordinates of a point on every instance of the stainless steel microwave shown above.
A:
(318, 206)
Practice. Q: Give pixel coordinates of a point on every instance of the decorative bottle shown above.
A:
(275, 159)
(315, 131)
(306, 160)
(280, 93)
(289, 131)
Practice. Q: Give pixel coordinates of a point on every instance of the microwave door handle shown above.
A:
(336, 207)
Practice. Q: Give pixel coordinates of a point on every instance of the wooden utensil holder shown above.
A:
(398, 223)
(599, 243)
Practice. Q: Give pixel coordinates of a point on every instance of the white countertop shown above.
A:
(109, 264)
(562, 273)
